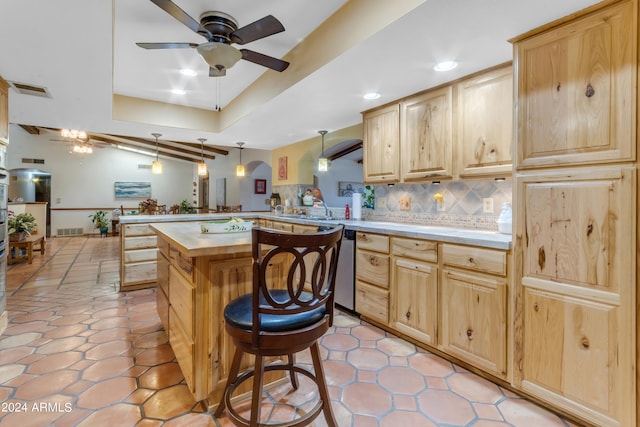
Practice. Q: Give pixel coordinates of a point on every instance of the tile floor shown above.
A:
(77, 352)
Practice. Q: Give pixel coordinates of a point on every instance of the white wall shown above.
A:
(86, 181)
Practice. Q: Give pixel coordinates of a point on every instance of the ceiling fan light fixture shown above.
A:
(218, 55)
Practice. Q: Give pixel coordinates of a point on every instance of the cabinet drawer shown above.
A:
(163, 273)
(140, 242)
(479, 259)
(140, 255)
(139, 272)
(183, 347)
(372, 242)
(373, 268)
(138, 230)
(184, 263)
(282, 226)
(181, 294)
(423, 250)
(372, 302)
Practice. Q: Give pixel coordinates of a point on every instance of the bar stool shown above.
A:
(284, 314)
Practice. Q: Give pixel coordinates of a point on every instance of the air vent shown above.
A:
(37, 161)
(69, 231)
(27, 89)
(141, 166)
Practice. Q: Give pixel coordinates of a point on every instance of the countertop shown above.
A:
(193, 240)
(187, 236)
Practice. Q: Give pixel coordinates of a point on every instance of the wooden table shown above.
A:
(15, 249)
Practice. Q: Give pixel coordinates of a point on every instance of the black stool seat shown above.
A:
(239, 314)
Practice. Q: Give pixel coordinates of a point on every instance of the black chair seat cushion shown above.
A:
(238, 313)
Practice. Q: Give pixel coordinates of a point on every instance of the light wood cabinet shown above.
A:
(372, 276)
(381, 145)
(575, 299)
(4, 111)
(425, 135)
(474, 319)
(414, 288)
(162, 293)
(138, 261)
(483, 112)
(577, 90)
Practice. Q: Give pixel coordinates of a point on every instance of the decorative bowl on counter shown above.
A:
(234, 225)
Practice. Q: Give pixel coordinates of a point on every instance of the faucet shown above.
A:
(323, 204)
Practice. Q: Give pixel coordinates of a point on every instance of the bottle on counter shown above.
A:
(347, 213)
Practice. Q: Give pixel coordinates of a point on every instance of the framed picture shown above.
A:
(282, 168)
(261, 186)
(132, 190)
(346, 189)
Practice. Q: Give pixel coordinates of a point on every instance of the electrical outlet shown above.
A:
(381, 202)
(405, 203)
(487, 205)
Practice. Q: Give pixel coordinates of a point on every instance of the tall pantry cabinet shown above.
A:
(575, 224)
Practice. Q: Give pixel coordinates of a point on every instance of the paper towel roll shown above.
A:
(356, 211)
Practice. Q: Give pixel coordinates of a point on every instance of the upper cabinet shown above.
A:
(483, 124)
(462, 129)
(425, 135)
(576, 88)
(4, 111)
(381, 154)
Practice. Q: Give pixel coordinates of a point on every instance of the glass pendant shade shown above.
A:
(323, 162)
(202, 166)
(240, 167)
(156, 166)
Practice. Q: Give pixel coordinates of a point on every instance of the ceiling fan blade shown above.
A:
(264, 60)
(167, 45)
(261, 28)
(174, 10)
(214, 72)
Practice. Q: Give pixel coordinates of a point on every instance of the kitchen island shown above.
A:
(198, 275)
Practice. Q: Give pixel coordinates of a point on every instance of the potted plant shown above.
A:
(21, 226)
(186, 207)
(101, 221)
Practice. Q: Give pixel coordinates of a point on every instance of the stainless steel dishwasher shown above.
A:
(345, 277)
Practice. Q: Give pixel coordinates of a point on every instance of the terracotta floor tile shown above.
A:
(83, 341)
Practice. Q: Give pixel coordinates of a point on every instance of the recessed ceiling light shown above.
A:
(178, 91)
(188, 72)
(371, 95)
(445, 66)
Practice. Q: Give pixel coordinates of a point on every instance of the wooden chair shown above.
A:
(281, 318)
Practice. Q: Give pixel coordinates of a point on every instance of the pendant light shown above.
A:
(240, 167)
(156, 166)
(202, 166)
(323, 162)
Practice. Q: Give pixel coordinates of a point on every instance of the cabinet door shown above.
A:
(381, 145)
(415, 299)
(484, 124)
(474, 319)
(372, 302)
(576, 88)
(425, 135)
(575, 292)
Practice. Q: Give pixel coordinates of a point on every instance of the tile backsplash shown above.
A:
(463, 203)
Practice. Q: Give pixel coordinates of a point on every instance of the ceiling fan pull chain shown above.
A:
(218, 108)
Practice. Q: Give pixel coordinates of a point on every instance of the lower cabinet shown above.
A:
(372, 276)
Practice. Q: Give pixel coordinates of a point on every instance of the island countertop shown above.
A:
(187, 236)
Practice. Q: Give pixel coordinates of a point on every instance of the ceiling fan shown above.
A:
(221, 30)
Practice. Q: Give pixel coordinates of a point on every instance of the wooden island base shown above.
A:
(198, 275)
